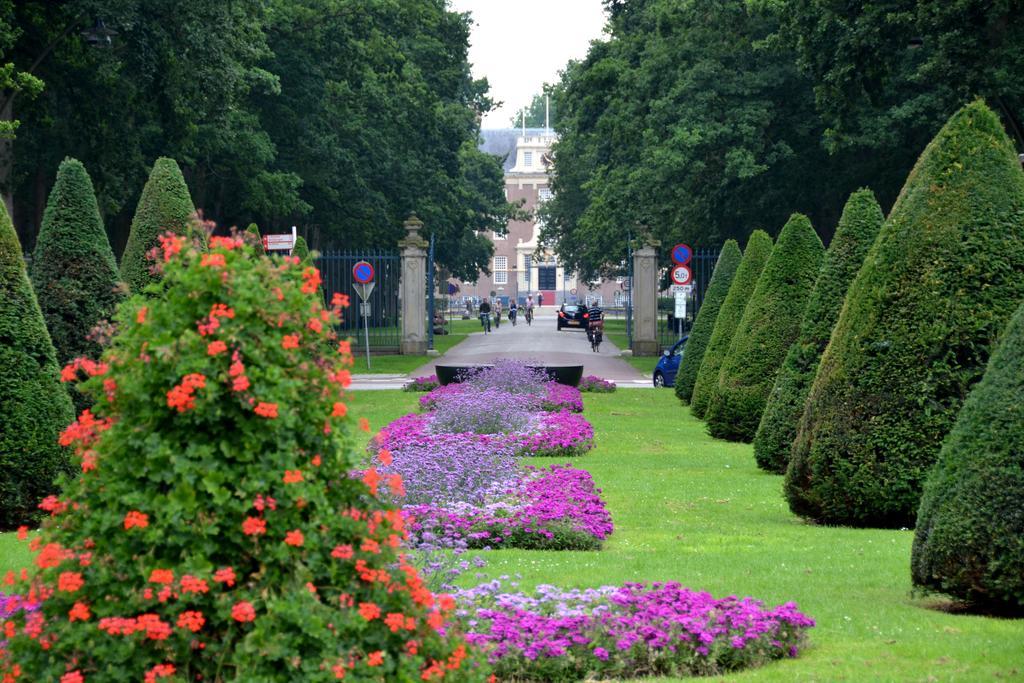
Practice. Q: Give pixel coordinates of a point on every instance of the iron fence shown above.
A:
(383, 315)
(670, 329)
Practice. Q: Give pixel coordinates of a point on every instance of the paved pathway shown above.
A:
(542, 342)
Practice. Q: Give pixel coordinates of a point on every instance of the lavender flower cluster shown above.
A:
(427, 383)
(558, 435)
(11, 605)
(596, 384)
(483, 411)
(657, 629)
(554, 396)
(556, 508)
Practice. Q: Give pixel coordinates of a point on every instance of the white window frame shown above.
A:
(501, 270)
(528, 159)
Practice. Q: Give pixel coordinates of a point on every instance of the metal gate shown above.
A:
(385, 329)
(670, 329)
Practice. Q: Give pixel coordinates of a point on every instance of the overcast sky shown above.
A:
(521, 44)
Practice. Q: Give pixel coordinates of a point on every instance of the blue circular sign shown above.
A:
(682, 253)
(362, 273)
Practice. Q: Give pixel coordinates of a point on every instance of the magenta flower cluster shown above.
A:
(595, 384)
(657, 629)
(558, 435)
(549, 508)
(554, 397)
(426, 383)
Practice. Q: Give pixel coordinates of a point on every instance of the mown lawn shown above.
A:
(397, 364)
(691, 509)
(615, 332)
(698, 511)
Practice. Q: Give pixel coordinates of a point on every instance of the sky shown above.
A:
(518, 45)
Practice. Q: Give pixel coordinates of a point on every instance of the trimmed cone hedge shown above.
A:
(755, 256)
(165, 206)
(861, 220)
(970, 526)
(73, 269)
(770, 325)
(916, 331)
(704, 325)
(253, 236)
(34, 407)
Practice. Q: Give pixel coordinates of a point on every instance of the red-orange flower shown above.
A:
(292, 476)
(290, 341)
(159, 671)
(369, 610)
(215, 348)
(254, 526)
(396, 484)
(79, 612)
(294, 538)
(311, 280)
(364, 424)
(375, 658)
(316, 460)
(182, 396)
(69, 582)
(140, 316)
(225, 576)
(192, 584)
(340, 409)
(72, 677)
(315, 325)
(267, 410)
(243, 612)
(136, 519)
(212, 260)
(163, 576)
(340, 300)
(342, 552)
(191, 620)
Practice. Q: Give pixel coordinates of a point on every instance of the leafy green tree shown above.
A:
(969, 526)
(770, 325)
(858, 228)
(725, 269)
(73, 268)
(542, 110)
(165, 206)
(755, 256)
(216, 506)
(915, 333)
(34, 407)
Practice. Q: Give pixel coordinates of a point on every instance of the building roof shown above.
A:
(501, 142)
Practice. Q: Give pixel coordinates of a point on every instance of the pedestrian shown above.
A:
(529, 310)
(497, 313)
(540, 299)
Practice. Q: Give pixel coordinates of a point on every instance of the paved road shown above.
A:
(543, 343)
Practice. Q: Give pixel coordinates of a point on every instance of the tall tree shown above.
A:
(941, 281)
(542, 110)
(34, 407)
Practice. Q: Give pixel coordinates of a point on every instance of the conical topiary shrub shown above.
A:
(770, 325)
(969, 540)
(252, 234)
(34, 406)
(704, 325)
(861, 220)
(915, 333)
(73, 269)
(216, 531)
(165, 206)
(755, 256)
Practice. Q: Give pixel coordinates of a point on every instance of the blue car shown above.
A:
(668, 364)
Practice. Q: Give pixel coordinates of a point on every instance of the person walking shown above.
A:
(485, 316)
(540, 299)
(497, 313)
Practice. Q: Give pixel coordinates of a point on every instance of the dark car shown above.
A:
(571, 315)
(668, 364)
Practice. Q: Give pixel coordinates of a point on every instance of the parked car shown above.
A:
(572, 315)
(668, 364)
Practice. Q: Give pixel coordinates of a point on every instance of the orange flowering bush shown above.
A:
(215, 533)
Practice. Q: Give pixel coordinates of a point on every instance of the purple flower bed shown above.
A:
(562, 397)
(660, 629)
(427, 383)
(11, 605)
(597, 385)
(482, 411)
(558, 435)
(556, 508)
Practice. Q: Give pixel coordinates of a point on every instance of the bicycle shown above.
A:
(595, 329)
(512, 316)
(485, 322)
(529, 316)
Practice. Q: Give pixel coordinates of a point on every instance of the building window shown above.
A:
(499, 236)
(527, 262)
(546, 277)
(544, 194)
(501, 270)
(527, 159)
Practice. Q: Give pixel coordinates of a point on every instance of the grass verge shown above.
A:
(398, 364)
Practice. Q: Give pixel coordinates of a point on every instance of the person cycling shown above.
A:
(595, 327)
(513, 309)
(529, 310)
(485, 316)
(497, 313)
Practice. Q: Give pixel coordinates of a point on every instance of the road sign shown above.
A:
(681, 275)
(279, 242)
(681, 298)
(362, 272)
(364, 309)
(682, 253)
(363, 289)
(685, 289)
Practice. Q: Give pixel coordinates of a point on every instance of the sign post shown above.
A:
(363, 273)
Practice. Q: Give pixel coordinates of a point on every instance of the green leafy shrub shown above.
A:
(725, 269)
(34, 407)
(770, 325)
(858, 227)
(165, 206)
(971, 520)
(915, 333)
(252, 235)
(755, 256)
(216, 531)
(73, 269)
(301, 249)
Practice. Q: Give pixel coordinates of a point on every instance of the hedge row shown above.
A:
(858, 227)
(770, 325)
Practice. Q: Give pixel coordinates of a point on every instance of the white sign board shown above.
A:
(364, 290)
(364, 309)
(685, 289)
(279, 242)
(681, 298)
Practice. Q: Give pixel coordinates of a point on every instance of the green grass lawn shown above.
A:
(698, 511)
(397, 364)
(615, 332)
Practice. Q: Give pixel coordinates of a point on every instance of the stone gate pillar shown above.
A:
(645, 299)
(414, 289)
